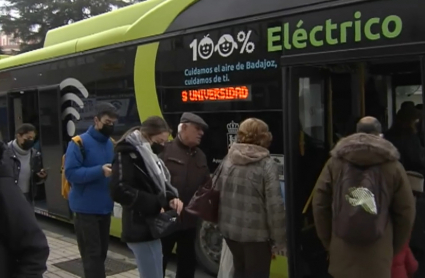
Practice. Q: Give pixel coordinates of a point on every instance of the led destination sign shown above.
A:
(217, 94)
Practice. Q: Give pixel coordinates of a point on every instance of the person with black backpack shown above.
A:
(363, 204)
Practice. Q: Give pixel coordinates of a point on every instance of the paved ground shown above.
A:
(63, 248)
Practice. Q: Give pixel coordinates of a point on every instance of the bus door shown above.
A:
(322, 104)
(15, 113)
(22, 108)
(306, 149)
(52, 149)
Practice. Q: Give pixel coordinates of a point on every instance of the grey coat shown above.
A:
(251, 203)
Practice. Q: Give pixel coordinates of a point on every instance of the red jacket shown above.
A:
(404, 264)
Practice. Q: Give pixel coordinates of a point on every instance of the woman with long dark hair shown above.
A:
(141, 184)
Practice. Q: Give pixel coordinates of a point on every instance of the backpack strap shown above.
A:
(77, 140)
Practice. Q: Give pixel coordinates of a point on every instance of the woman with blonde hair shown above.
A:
(252, 212)
(140, 182)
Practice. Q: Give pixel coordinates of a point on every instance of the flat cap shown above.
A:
(194, 119)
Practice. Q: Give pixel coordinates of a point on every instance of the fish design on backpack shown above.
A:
(361, 196)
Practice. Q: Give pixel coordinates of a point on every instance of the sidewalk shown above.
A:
(63, 249)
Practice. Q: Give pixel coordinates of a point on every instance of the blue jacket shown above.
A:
(89, 187)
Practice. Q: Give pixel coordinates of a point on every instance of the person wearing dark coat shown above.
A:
(27, 161)
(23, 246)
(140, 183)
(364, 149)
(403, 135)
(188, 167)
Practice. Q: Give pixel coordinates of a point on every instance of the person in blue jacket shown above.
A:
(88, 169)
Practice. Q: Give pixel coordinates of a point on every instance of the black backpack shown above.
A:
(360, 204)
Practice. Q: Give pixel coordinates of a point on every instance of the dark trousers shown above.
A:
(93, 239)
(186, 256)
(251, 259)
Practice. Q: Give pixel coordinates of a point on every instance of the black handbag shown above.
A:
(163, 224)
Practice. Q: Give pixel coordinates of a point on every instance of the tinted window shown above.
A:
(219, 60)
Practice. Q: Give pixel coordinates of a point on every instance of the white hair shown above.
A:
(180, 127)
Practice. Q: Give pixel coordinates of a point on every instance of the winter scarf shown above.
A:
(155, 166)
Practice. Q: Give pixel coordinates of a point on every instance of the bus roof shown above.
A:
(122, 17)
(137, 21)
(145, 19)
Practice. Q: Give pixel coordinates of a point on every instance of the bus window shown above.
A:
(311, 99)
(408, 94)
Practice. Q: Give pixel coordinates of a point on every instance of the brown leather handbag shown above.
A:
(206, 201)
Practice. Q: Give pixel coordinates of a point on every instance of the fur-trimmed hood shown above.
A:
(365, 149)
(243, 154)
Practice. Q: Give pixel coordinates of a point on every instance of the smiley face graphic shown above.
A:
(226, 45)
(206, 47)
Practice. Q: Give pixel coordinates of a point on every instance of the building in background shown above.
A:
(8, 44)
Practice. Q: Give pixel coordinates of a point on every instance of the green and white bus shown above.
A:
(306, 67)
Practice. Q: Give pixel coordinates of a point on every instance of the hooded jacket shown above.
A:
(23, 245)
(374, 260)
(251, 203)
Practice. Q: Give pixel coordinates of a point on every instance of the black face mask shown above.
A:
(157, 148)
(27, 144)
(107, 130)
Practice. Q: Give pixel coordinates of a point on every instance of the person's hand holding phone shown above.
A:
(177, 205)
(42, 174)
(107, 170)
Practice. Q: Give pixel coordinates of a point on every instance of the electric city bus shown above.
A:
(308, 68)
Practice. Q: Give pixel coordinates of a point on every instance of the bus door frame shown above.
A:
(422, 59)
(49, 98)
(10, 98)
(11, 106)
(292, 148)
(291, 117)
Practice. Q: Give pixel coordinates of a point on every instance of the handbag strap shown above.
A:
(217, 172)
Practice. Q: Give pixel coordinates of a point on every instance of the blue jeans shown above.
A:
(148, 258)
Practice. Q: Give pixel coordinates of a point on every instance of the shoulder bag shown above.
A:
(205, 202)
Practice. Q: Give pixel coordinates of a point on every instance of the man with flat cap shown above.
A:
(188, 167)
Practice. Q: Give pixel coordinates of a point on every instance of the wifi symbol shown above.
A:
(72, 82)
